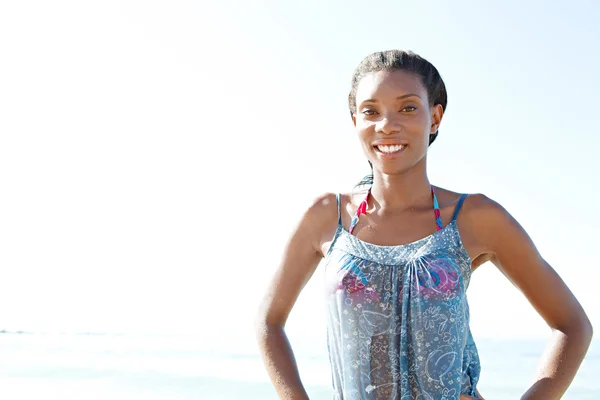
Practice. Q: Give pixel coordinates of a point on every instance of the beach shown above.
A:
(160, 367)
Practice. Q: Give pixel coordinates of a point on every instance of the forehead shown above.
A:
(389, 83)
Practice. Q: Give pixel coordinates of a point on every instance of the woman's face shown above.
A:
(393, 120)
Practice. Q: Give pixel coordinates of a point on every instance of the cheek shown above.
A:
(425, 125)
(365, 130)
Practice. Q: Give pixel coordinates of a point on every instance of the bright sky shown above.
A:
(155, 155)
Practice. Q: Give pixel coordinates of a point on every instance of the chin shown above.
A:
(393, 170)
(398, 167)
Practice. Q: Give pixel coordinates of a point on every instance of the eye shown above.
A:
(409, 108)
(368, 112)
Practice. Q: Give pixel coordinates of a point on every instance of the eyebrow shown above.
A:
(397, 98)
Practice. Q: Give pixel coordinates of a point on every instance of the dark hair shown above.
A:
(395, 60)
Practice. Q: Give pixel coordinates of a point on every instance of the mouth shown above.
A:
(389, 149)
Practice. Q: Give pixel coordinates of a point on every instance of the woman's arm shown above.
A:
(300, 259)
(512, 251)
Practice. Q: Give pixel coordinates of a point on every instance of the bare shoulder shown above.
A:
(325, 205)
(486, 226)
(320, 219)
(323, 208)
(483, 211)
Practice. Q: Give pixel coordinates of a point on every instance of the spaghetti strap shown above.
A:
(458, 206)
(337, 199)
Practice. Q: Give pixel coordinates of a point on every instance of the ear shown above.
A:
(437, 113)
(353, 115)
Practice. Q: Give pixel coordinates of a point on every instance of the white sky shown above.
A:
(155, 155)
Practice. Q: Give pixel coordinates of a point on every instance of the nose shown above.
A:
(388, 125)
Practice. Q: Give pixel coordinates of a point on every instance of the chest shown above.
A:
(432, 270)
(399, 229)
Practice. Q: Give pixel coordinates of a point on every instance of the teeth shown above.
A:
(390, 149)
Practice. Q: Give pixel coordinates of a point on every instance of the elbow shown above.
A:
(585, 333)
(588, 328)
(266, 333)
(585, 328)
(580, 329)
(260, 323)
(261, 330)
(263, 325)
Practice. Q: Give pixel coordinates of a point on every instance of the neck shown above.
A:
(401, 192)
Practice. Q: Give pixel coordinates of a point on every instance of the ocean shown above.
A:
(153, 367)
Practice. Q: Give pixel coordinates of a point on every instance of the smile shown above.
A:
(390, 149)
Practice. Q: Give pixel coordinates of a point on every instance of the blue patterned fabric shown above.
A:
(398, 318)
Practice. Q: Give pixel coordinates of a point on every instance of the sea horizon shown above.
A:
(157, 366)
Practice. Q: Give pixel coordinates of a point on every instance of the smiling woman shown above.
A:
(399, 258)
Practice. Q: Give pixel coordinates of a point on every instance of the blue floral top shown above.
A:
(398, 318)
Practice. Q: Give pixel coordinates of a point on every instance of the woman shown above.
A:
(399, 258)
